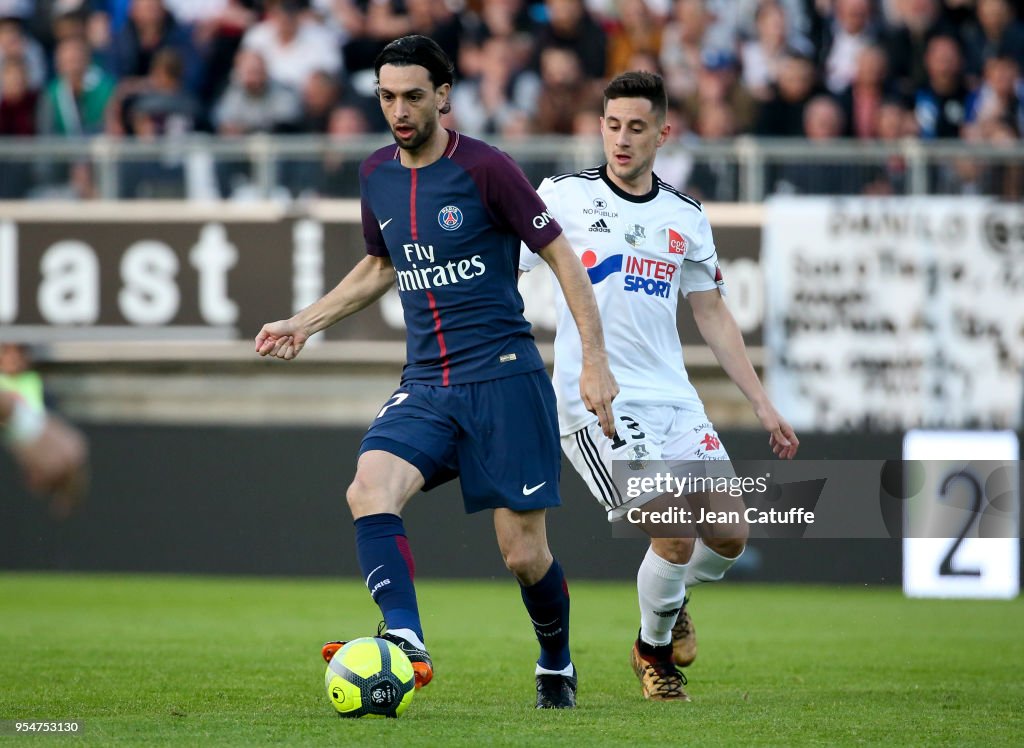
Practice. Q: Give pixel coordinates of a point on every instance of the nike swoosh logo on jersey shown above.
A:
(385, 223)
(533, 489)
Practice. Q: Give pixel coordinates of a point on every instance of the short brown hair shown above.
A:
(639, 84)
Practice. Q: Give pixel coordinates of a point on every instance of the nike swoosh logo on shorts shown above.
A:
(385, 223)
(534, 489)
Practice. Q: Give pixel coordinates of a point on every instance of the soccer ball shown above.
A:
(370, 677)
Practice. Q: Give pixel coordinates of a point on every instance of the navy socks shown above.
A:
(388, 569)
(547, 602)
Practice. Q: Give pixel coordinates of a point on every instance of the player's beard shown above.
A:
(421, 136)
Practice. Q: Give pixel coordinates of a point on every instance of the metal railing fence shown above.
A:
(260, 167)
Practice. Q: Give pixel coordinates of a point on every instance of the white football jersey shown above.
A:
(640, 252)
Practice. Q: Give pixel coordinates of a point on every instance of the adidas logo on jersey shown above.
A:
(600, 227)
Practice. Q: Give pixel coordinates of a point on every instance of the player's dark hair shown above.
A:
(639, 84)
(416, 49)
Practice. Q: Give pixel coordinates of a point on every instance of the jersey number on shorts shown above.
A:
(397, 399)
(634, 432)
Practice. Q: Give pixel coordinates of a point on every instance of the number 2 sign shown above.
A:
(961, 534)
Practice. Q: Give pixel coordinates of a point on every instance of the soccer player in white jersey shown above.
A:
(643, 243)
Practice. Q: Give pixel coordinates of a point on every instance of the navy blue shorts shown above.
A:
(499, 437)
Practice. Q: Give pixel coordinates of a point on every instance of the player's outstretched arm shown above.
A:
(597, 383)
(719, 329)
(52, 454)
(363, 285)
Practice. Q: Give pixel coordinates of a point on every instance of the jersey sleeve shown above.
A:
(528, 260)
(700, 266)
(371, 228)
(513, 203)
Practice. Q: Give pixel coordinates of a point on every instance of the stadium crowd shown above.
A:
(814, 69)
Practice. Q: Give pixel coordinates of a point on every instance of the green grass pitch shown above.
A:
(208, 661)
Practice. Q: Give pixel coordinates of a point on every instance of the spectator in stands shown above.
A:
(320, 97)
(218, 34)
(863, 98)
(736, 20)
(940, 104)
(75, 100)
(893, 122)
(974, 176)
(15, 43)
(823, 122)
(563, 90)
(148, 30)
(905, 44)
(156, 105)
(682, 46)
(254, 103)
(718, 81)
(368, 26)
(762, 56)
(17, 100)
(436, 20)
(496, 90)
(510, 19)
(848, 34)
(783, 114)
(570, 26)
(338, 174)
(59, 20)
(995, 33)
(1000, 98)
(715, 179)
(17, 118)
(295, 45)
(637, 32)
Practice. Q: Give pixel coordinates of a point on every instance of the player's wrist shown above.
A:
(25, 423)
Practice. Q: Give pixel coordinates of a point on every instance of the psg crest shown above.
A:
(450, 218)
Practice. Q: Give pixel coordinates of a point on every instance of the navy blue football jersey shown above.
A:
(453, 231)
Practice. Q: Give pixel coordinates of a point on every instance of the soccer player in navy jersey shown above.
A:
(443, 217)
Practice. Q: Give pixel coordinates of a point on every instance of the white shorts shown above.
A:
(646, 433)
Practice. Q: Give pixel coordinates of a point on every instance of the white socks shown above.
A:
(567, 670)
(660, 588)
(706, 565)
(410, 636)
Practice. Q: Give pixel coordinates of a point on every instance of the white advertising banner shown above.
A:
(894, 313)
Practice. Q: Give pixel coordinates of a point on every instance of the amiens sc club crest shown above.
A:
(635, 236)
(450, 218)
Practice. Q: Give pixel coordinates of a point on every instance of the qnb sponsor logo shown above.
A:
(425, 273)
(541, 221)
(652, 277)
(598, 271)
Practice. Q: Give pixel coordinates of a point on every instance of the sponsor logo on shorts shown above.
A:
(504, 358)
(636, 457)
(711, 442)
